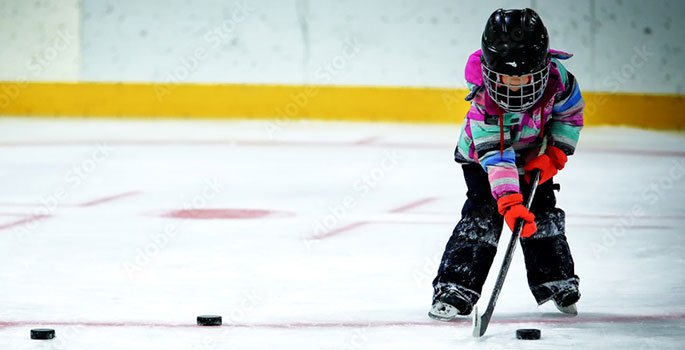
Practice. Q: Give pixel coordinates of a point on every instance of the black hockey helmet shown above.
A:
(515, 43)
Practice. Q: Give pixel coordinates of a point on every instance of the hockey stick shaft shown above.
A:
(481, 322)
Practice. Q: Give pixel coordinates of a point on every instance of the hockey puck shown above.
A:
(528, 334)
(209, 320)
(42, 333)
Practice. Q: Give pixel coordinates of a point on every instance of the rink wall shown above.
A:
(289, 103)
(324, 59)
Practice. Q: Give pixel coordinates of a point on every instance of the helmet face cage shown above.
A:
(515, 97)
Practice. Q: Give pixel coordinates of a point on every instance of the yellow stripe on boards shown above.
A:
(353, 103)
(652, 111)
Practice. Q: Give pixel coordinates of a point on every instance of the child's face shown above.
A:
(514, 81)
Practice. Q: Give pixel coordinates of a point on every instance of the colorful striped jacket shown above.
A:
(502, 142)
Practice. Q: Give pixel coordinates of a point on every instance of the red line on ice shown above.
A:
(209, 214)
(25, 220)
(367, 141)
(85, 204)
(414, 205)
(361, 324)
(359, 224)
(628, 216)
(571, 215)
(338, 231)
(636, 227)
(413, 222)
(636, 152)
(7, 204)
(627, 152)
(108, 199)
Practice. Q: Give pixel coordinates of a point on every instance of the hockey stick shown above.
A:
(480, 323)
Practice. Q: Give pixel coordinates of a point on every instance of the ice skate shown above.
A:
(449, 305)
(566, 303)
(569, 310)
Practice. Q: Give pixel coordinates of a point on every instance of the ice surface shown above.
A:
(331, 234)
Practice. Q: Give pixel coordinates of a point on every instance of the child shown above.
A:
(526, 114)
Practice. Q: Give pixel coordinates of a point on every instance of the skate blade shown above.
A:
(443, 312)
(569, 310)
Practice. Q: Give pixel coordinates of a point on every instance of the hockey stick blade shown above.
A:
(476, 323)
(480, 322)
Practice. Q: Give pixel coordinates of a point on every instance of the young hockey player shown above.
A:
(526, 114)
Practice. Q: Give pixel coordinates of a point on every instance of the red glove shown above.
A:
(548, 163)
(512, 208)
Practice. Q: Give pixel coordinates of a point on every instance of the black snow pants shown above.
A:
(471, 249)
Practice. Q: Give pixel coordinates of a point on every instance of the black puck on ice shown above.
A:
(528, 334)
(42, 333)
(209, 320)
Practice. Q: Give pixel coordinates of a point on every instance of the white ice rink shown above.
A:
(311, 236)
